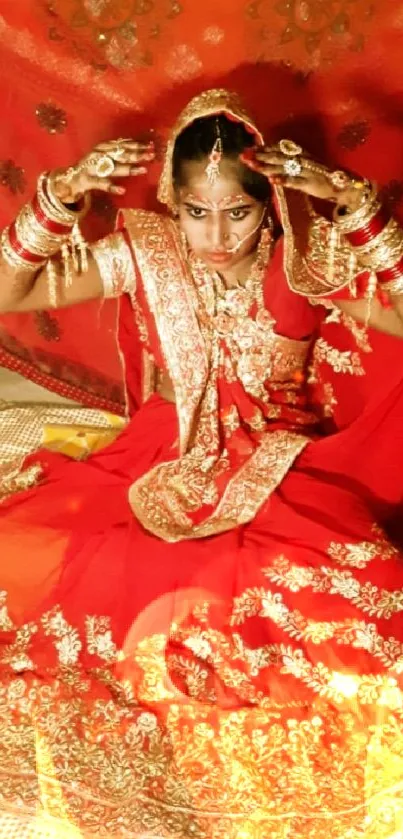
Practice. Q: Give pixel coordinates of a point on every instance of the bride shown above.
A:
(200, 629)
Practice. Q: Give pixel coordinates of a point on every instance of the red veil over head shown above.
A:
(327, 74)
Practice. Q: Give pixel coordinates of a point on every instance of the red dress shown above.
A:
(244, 683)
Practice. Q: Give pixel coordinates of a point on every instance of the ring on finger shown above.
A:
(340, 180)
(292, 167)
(117, 152)
(289, 148)
(104, 166)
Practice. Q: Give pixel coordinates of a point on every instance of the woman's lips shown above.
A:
(218, 256)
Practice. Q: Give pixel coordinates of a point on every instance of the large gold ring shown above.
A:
(289, 148)
(105, 166)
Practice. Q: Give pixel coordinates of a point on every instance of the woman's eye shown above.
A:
(238, 214)
(196, 212)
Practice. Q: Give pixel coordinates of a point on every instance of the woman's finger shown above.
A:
(102, 185)
(272, 157)
(124, 148)
(90, 181)
(126, 171)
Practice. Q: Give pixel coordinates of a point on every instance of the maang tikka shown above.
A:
(214, 159)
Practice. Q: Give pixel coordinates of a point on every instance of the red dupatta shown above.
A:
(234, 448)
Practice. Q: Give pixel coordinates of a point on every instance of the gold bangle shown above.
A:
(351, 222)
(14, 259)
(53, 208)
(34, 237)
(384, 249)
(76, 215)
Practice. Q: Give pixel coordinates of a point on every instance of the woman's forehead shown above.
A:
(196, 183)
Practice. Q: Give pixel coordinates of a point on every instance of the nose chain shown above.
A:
(235, 302)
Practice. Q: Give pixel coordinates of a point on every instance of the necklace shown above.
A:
(233, 302)
(235, 322)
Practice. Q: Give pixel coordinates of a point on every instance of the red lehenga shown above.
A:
(201, 629)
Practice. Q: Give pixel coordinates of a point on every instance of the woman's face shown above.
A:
(216, 218)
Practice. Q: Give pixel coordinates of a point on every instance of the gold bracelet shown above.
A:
(15, 259)
(34, 236)
(383, 250)
(53, 208)
(350, 222)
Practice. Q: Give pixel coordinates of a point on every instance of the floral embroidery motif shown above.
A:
(12, 176)
(375, 601)
(68, 644)
(341, 362)
(358, 555)
(99, 639)
(52, 118)
(112, 33)
(329, 400)
(75, 743)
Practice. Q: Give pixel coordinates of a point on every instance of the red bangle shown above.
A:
(19, 248)
(372, 229)
(48, 224)
(388, 275)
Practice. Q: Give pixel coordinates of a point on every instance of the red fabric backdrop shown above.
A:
(74, 72)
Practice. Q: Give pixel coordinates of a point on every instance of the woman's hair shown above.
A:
(196, 143)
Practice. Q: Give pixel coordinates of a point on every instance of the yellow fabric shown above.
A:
(79, 441)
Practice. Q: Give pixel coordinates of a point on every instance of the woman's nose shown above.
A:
(218, 233)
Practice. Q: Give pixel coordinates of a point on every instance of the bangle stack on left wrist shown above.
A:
(377, 240)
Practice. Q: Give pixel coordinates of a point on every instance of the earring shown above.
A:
(184, 241)
(269, 223)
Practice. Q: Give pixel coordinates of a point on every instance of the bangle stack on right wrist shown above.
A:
(43, 228)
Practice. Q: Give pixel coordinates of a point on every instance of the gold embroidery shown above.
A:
(329, 400)
(14, 478)
(231, 420)
(158, 510)
(148, 376)
(115, 264)
(140, 321)
(82, 752)
(341, 362)
(358, 555)
(229, 654)
(376, 602)
(68, 644)
(351, 632)
(170, 294)
(99, 639)
(359, 332)
(336, 315)
(307, 251)
(165, 499)
(23, 430)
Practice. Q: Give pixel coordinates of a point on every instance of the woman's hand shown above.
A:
(98, 170)
(287, 165)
